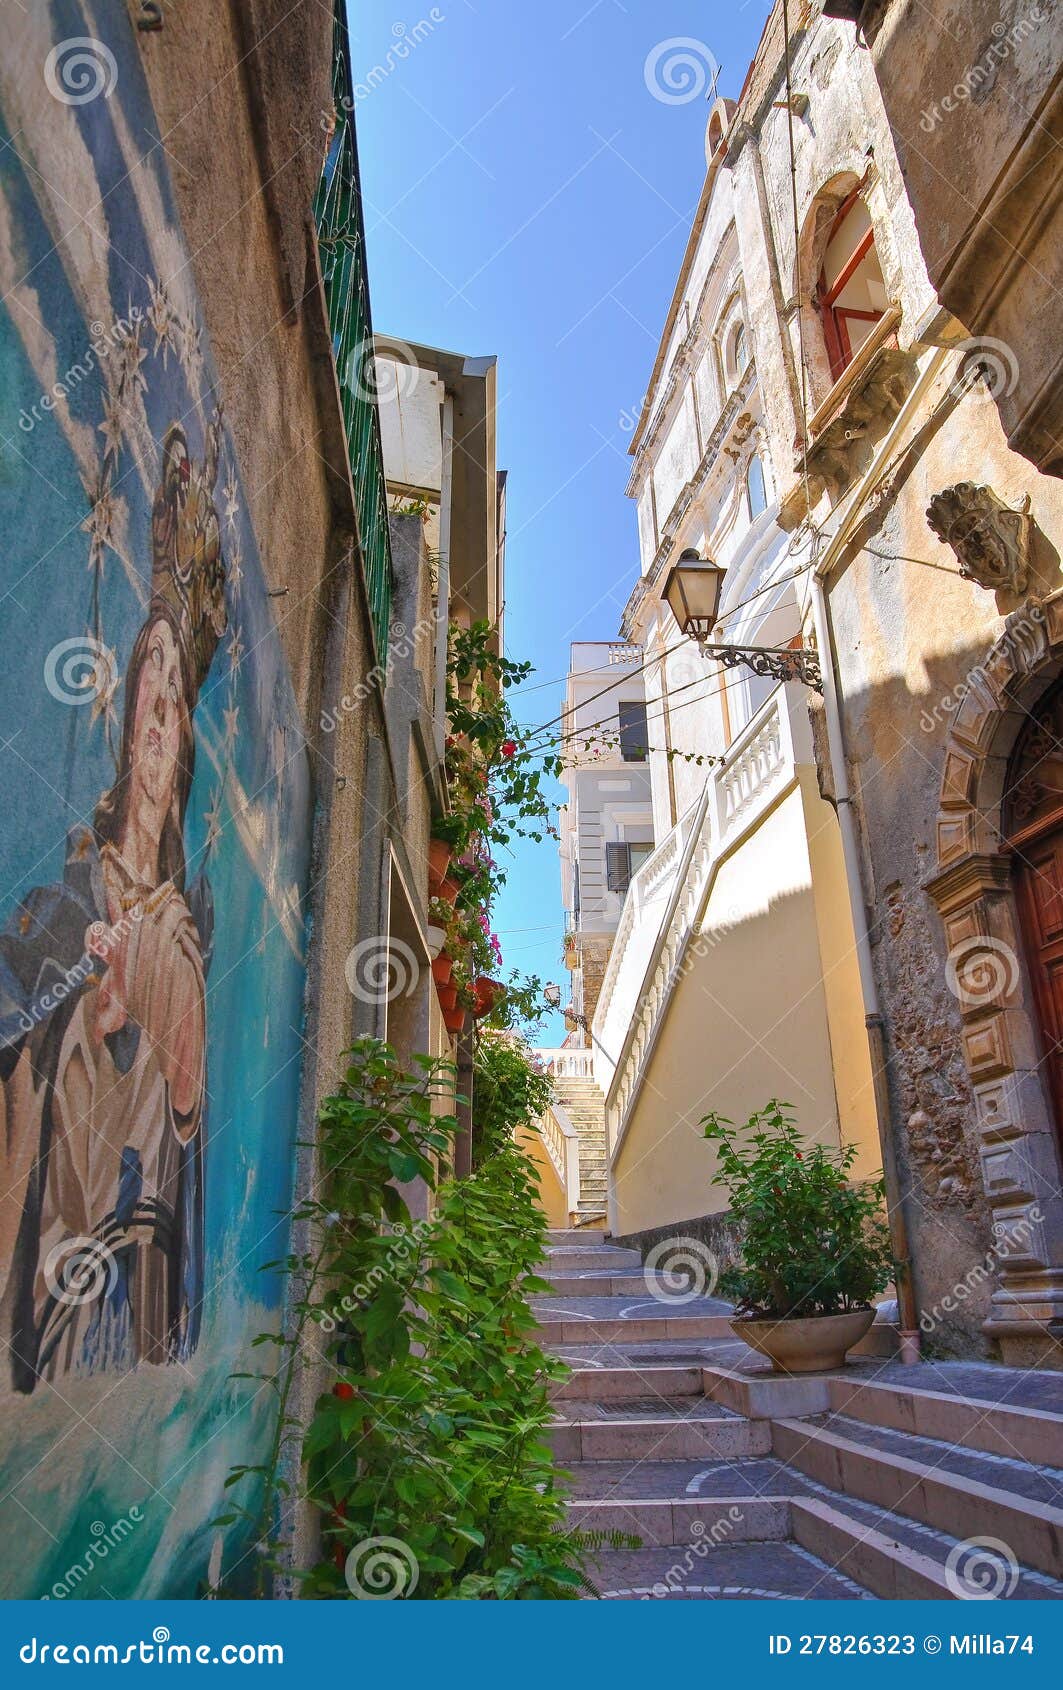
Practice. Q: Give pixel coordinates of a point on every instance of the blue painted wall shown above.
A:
(151, 940)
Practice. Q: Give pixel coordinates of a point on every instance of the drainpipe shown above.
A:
(909, 1316)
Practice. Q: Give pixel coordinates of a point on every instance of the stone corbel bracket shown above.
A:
(990, 539)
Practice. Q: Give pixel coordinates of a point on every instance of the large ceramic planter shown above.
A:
(454, 1019)
(448, 996)
(813, 1345)
(442, 968)
(439, 855)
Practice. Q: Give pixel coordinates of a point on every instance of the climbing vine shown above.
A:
(425, 1456)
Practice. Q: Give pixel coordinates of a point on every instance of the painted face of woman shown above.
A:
(160, 710)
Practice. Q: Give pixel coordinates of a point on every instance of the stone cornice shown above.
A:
(969, 878)
(733, 409)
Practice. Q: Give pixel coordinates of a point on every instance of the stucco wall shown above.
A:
(748, 1022)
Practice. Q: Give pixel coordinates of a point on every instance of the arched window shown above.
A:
(735, 354)
(715, 132)
(851, 293)
(756, 493)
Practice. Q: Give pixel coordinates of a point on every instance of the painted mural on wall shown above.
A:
(154, 840)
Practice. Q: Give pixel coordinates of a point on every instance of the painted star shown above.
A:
(236, 648)
(99, 524)
(212, 817)
(161, 316)
(131, 378)
(111, 426)
(236, 567)
(231, 712)
(104, 684)
(232, 500)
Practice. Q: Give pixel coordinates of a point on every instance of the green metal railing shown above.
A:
(341, 244)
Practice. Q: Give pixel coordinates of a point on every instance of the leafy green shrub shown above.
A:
(508, 1092)
(432, 1433)
(812, 1242)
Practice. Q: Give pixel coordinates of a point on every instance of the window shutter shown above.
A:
(617, 867)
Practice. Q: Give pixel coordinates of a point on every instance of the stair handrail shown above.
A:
(561, 1140)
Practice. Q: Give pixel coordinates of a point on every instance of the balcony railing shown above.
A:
(341, 244)
(654, 945)
(566, 1064)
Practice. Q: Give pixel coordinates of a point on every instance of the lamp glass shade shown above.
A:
(552, 994)
(692, 593)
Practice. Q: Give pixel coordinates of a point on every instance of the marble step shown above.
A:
(899, 1559)
(953, 1490)
(682, 1436)
(704, 1571)
(626, 1384)
(572, 1258)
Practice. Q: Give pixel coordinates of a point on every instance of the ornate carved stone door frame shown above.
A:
(972, 889)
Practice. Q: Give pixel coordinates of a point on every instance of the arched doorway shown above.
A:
(1032, 814)
(998, 887)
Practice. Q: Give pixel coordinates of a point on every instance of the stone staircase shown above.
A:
(881, 1481)
(584, 1104)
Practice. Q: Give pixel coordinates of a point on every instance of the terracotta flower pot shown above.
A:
(442, 968)
(813, 1345)
(439, 855)
(448, 996)
(488, 992)
(454, 1019)
(448, 890)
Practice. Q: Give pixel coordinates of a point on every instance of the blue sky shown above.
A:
(527, 195)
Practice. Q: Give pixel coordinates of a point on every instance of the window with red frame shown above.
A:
(851, 292)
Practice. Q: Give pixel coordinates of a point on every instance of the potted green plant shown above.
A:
(815, 1244)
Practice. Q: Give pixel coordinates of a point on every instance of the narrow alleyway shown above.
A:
(878, 1482)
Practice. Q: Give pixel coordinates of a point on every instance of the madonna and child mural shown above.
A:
(154, 848)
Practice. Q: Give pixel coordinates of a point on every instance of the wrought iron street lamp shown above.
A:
(552, 994)
(692, 593)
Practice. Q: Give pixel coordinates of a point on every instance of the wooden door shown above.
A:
(1039, 885)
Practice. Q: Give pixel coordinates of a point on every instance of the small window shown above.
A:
(623, 861)
(633, 741)
(740, 350)
(617, 866)
(851, 292)
(756, 493)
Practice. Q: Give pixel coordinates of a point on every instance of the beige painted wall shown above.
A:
(551, 1191)
(748, 1022)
